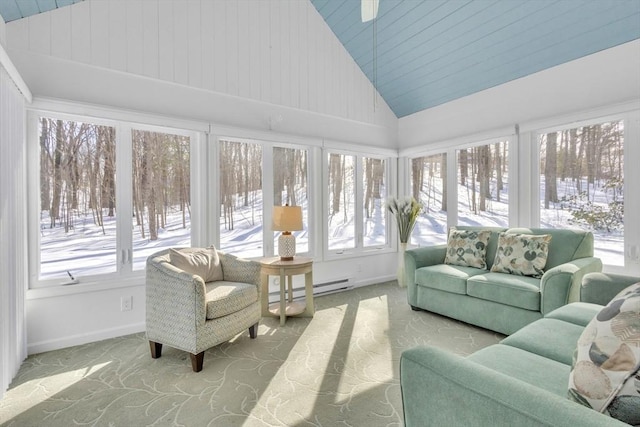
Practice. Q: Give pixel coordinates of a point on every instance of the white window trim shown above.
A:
(123, 123)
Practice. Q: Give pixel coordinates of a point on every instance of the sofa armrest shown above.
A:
(600, 288)
(235, 269)
(422, 257)
(561, 284)
(175, 304)
(444, 389)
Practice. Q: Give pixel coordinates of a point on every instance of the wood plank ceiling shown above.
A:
(422, 53)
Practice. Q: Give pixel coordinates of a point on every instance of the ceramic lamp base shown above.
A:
(286, 246)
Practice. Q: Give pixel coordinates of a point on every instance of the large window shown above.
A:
(290, 184)
(85, 202)
(483, 191)
(429, 187)
(581, 184)
(341, 203)
(241, 201)
(355, 209)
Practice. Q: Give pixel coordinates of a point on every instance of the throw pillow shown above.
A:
(604, 375)
(203, 262)
(521, 254)
(467, 248)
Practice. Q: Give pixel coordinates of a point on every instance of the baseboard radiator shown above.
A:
(336, 285)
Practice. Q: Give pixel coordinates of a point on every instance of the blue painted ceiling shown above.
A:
(423, 53)
(16, 9)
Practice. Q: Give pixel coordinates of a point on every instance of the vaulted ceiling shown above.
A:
(423, 53)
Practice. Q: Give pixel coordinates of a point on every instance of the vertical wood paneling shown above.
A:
(231, 59)
(117, 34)
(13, 260)
(244, 49)
(255, 42)
(134, 32)
(100, 40)
(81, 32)
(265, 50)
(165, 40)
(219, 46)
(180, 44)
(150, 33)
(194, 42)
(40, 33)
(276, 51)
(208, 64)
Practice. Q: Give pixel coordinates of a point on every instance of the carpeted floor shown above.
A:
(340, 368)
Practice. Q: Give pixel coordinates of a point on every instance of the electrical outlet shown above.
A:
(126, 303)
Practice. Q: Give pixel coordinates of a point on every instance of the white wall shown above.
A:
(13, 227)
(605, 78)
(229, 62)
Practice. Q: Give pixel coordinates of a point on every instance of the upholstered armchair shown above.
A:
(192, 312)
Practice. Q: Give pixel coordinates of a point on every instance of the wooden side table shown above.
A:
(286, 269)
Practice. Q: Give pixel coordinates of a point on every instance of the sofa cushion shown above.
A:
(539, 371)
(517, 291)
(445, 277)
(467, 248)
(551, 338)
(223, 297)
(203, 262)
(578, 313)
(607, 359)
(521, 254)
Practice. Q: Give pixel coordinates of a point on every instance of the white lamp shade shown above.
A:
(287, 218)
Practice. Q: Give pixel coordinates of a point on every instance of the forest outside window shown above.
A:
(483, 190)
(582, 182)
(429, 187)
(83, 194)
(355, 207)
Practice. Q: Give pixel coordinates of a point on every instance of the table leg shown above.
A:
(308, 291)
(290, 287)
(264, 279)
(283, 301)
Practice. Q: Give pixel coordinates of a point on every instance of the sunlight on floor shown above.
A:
(31, 393)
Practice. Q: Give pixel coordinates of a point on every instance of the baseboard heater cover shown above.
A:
(318, 289)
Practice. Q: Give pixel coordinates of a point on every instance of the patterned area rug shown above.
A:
(340, 368)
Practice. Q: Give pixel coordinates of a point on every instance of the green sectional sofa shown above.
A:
(522, 381)
(500, 302)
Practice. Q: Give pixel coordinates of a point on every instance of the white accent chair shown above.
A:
(186, 313)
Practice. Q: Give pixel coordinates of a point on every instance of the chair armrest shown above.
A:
(443, 389)
(561, 284)
(175, 301)
(600, 288)
(235, 269)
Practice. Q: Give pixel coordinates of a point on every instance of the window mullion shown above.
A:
(124, 198)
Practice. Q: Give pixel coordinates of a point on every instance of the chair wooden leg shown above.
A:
(196, 361)
(156, 349)
(253, 330)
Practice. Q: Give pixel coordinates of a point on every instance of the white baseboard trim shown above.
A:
(79, 339)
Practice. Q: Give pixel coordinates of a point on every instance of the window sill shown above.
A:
(86, 287)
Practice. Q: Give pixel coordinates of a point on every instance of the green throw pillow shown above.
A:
(467, 248)
(521, 254)
(604, 375)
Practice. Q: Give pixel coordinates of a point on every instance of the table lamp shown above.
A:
(287, 219)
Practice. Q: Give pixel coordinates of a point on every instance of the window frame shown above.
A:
(359, 248)
(123, 123)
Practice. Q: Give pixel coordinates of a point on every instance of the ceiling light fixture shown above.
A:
(368, 10)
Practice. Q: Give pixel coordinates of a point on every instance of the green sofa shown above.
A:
(500, 302)
(522, 381)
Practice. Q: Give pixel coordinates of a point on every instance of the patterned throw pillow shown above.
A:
(604, 375)
(467, 248)
(521, 254)
(203, 262)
